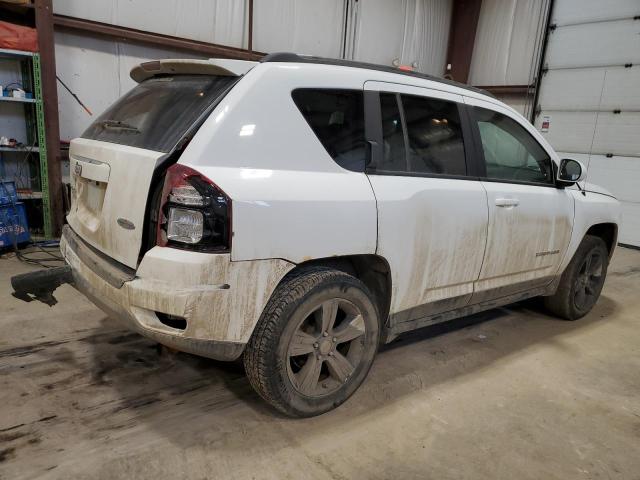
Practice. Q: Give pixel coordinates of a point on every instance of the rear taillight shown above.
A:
(194, 212)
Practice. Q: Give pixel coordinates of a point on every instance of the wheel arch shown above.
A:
(372, 270)
(608, 232)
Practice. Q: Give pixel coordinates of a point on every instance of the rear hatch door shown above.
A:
(113, 163)
(110, 186)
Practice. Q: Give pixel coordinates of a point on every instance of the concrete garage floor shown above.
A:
(511, 393)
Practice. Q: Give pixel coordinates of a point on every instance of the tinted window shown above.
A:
(394, 157)
(434, 136)
(510, 152)
(158, 112)
(337, 119)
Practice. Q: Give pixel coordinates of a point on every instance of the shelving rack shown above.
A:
(35, 131)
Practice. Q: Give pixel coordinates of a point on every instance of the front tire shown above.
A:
(314, 343)
(582, 281)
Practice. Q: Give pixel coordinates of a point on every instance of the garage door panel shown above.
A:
(591, 89)
(594, 44)
(617, 174)
(585, 86)
(622, 88)
(578, 11)
(618, 134)
(630, 228)
(569, 131)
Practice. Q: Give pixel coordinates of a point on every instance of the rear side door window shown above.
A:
(337, 119)
(434, 136)
(421, 135)
(394, 157)
(510, 152)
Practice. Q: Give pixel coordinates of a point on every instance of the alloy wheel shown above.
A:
(326, 348)
(589, 281)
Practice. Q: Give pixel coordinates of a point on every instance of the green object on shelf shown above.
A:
(42, 143)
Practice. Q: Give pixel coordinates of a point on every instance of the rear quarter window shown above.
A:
(337, 119)
(155, 114)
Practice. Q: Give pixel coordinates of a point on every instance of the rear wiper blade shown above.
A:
(120, 125)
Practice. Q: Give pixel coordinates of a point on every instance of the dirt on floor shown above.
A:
(511, 393)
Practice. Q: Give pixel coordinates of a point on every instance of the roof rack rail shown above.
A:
(289, 57)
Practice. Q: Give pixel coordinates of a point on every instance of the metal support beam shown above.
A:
(44, 27)
(507, 89)
(462, 36)
(250, 39)
(124, 34)
(540, 69)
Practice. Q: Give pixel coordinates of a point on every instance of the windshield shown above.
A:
(159, 111)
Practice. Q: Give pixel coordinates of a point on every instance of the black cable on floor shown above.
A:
(51, 260)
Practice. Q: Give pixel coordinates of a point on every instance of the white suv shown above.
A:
(301, 211)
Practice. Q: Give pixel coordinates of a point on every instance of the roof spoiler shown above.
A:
(213, 66)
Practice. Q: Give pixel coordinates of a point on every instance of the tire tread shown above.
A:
(260, 353)
(560, 304)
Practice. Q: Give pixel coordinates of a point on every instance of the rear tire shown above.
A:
(314, 343)
(581, 282)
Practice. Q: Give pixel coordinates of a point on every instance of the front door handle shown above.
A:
(507, 202)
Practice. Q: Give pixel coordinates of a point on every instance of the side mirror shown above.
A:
(570, 172)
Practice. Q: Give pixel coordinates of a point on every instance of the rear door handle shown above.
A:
(507, 202)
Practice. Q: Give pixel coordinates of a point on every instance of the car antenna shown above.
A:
(582, 190)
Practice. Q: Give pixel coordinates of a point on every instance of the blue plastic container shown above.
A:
(13, 225)
(8, 193)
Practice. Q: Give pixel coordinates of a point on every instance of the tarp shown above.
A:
(17, 37)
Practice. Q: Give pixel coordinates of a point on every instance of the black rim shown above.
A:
(589, 280)
(326, 348)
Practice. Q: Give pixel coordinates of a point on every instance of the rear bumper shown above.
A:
(218, 350)
(221, 302)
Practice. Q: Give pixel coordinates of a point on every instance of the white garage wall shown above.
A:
(214, 21)
(413, 32)
(378, 31)
(303, 26)
(507, 39)
(97, 70)
(593, 100)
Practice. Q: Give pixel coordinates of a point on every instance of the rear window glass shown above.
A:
(337, 119)
(158, 112)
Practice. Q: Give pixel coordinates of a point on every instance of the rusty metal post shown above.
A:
(46, 45)
(462, 37)
(250, 40)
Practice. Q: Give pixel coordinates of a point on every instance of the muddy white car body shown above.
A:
(429, 246)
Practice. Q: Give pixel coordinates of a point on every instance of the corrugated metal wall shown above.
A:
(310, 27)
(506, 39)
(590, 94)
(97, 70)
(507, 45)
(410, 32)
(214, 21)
(380, 31)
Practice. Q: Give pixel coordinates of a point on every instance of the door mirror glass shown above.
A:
(570, 171)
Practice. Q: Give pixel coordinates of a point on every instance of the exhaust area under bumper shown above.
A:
(41, 284)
